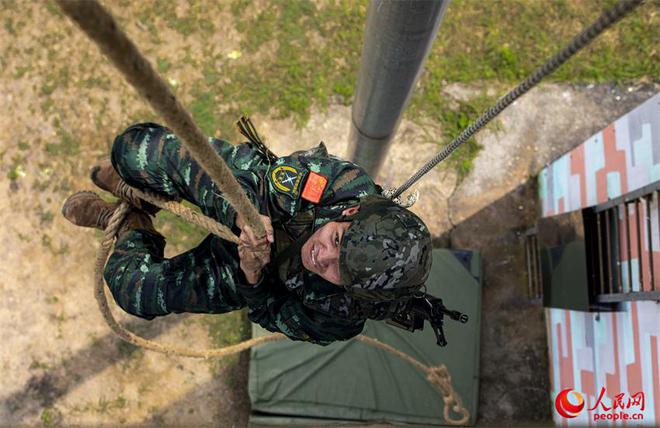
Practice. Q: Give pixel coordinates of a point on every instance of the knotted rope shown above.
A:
(191, 216)
(438, 376)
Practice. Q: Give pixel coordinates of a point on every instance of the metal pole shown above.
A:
(398, 39)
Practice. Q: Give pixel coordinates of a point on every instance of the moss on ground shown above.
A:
(180, 233)
(224, 330)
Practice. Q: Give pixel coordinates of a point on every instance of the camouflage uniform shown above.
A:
(208, 278)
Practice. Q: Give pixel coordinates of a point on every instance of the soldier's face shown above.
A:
(320, 254)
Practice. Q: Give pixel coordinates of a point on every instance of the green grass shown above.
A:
(227, 329)
(16, 169)
(47, 417)
(179, 232)
(197, 19)
(163, 65)
(9, 26)
(102, 405)
(315, 56)
(67, 146)
(498, 43)
(298, 55)
(48, 89)
(505, 40)
(203, 110)
(454, 116)
(224, 330)
(278, 73)
(46, 217)
(53, 8)
(38, 365)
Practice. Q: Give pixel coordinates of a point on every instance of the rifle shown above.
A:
(426, 307)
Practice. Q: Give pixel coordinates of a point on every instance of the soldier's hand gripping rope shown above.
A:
(254, 252)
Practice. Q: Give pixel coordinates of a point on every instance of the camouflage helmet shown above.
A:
(386, 251)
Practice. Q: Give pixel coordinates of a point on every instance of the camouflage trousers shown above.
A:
(142, 281)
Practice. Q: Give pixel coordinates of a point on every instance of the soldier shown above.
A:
(341, 253)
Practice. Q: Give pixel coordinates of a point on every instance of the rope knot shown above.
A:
(440, 377)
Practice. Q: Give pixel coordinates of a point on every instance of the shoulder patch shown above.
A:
(314, 187)
(286, 179)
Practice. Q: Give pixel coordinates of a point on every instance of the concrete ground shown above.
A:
(60, 364)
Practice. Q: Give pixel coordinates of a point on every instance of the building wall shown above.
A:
(623, 157)
(616, 351)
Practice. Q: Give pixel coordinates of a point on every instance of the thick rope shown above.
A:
(437, 376)
(581, 40)
(189, 215)
(101, 27)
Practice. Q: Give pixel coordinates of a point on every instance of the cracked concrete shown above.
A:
(536, 129)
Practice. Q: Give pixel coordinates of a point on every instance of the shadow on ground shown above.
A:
(237, 396)
(44, 388)
(514, 381)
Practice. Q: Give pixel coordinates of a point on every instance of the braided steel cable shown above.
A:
(606, 20)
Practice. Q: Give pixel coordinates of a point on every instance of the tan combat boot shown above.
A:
(105, 177)
(87, 209)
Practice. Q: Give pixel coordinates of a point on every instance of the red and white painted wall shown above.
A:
(611, 361)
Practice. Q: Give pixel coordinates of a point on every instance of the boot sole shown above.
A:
(93, 175)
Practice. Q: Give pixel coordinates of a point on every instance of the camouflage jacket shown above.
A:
(298, 191)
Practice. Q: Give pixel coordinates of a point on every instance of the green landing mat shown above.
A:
(295, 383)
